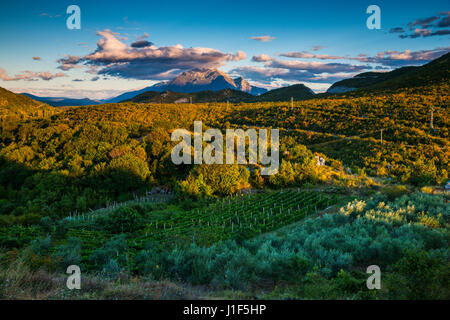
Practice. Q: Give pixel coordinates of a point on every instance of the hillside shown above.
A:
(17, 106)
(366, 79)
(95, 186)
(197, 97)
(296, 91)
(434, 72)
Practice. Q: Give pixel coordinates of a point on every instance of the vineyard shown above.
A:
(237, 218)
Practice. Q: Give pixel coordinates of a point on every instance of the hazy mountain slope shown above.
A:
(62, 101)
(127, 95)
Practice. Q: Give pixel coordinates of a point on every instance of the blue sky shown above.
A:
(312, 42)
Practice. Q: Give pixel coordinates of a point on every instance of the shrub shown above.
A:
(419, 275)
(113, 249)
(123, 219)
(394, 192)
(40, 246)
(70, 253)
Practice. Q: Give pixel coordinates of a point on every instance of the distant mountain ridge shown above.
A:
(196, 97)
(297, 91)
(62, 101)
(196, 80)
(434, 72)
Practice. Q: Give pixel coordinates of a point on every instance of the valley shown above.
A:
(95, 186)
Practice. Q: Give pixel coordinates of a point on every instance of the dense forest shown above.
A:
(95, 186)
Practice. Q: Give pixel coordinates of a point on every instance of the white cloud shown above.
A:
(30, 75)
(263, 38)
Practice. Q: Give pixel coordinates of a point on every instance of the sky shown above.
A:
(129, 45)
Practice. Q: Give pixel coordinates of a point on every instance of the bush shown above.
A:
(40, 246)
(114, 249)
(394, 192)
(70, 253)
(419, 275)
(123, 219)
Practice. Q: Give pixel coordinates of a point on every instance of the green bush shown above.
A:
(70, 253)
(123, 219)
(420, 275)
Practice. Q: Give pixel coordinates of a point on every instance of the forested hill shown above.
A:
(19, 107)
(434, 72)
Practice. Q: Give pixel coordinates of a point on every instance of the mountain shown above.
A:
(197, 97)
(196, 80)
(296, 91)
(243, 85)
(127, 95)
(434, 72)
(62, 102)
(366, 79)
(18, 106)
(199, 80)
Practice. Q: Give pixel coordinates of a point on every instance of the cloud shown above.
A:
(144, 36)
(48, 15)
(317, 48)
(425, 33)
(36, 58)
(68, 62)
(307, 55)
(30, 75)
(427, 27)
(388, 58)
(141, 44)
(407, 57)
(316, 67)
(269, 75)
(274, 70)
(83, 44)
(263, 38)
(115, 58)
(262, 58)
(445, 22)
(441, 32)
(397, 30)
(424, 23)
